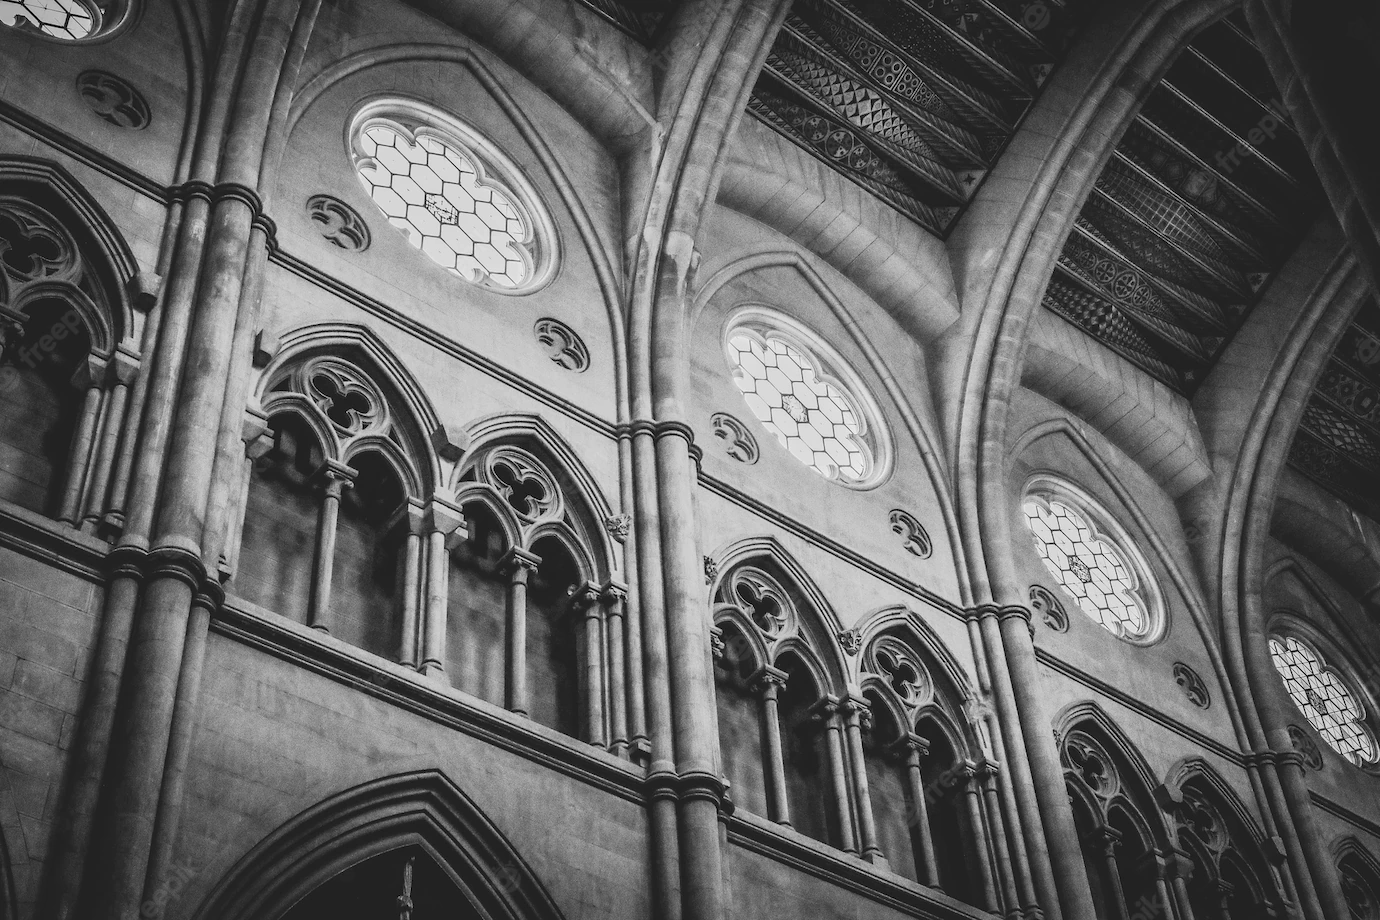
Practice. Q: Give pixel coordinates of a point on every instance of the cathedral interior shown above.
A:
(689, 459)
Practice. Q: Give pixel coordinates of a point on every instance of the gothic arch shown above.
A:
(815, 644)
(424, 808)
(603, 258)
(927, 644)
(50, 188)
(584, 532)
(1138, 780)
(1196, 770)
(381, 364)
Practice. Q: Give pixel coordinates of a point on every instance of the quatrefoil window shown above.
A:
(1092, 561)
(453, 195)
(905, 676)
(761, 600)
(1092, 765)
(1324, 698)
(524, 483)
(29, 248)
(343, 396)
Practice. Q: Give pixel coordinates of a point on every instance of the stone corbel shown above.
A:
(89, 373)
(265, 348)
(257, 436)
(123, 368)
(450, 442)
(144, 290)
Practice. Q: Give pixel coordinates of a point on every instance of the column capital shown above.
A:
(825, 708)
(90, 371)
(334, 476)
(614, 594)
(911, 742)
(123, 368)
(585, 599)
(410, 515)
(442, 516)
(517, 559)
(988, 768)
(767, 679)
(856, 707)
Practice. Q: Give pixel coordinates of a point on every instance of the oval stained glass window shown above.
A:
(1324, 698)
(1091, 565)
(436, 182)
(796, 389)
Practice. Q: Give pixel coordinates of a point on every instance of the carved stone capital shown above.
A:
(767, 680)
(518, 560)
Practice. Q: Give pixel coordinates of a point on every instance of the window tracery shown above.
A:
(1323, 696)
(454, 196)
(1099, 569)
(66, 20)
(797, 389)
(60, 324)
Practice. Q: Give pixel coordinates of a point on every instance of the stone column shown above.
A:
(856, 716)
(767, 683)
(1155, 866)
(87, 378)
(1179, 870)
(121, 372)
(614, 597)
(989, 777)
(334, 477)
(914, 748)
(1037, 778)
(982, 848)
(440, 520)
(519, 565)
(410, 518)
(1108, 840)
(585, 604)
(827, 712)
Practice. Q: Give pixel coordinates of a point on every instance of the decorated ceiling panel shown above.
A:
(1204, 198)
(911, 99)
(1338, 441)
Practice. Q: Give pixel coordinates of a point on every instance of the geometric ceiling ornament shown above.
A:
(1204, 197)
(913, 100)
(1337, 444)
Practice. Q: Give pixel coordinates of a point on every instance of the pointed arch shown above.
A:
(1138, 779)
(53, 188)
(820, 621)
(1196, 770)
(925, 641)
(579, 487)
(340, 339)
(920, 426)
(423, 808)
(602, 254)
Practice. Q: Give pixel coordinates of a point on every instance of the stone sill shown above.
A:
(401, 686)
(805, 854)
(60, 545)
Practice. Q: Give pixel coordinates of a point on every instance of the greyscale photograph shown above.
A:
(689, 460)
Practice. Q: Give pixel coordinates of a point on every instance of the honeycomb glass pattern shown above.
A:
(1088, 566)
(445, 205)
(1324, 699)
(811, 417)
(65, 19)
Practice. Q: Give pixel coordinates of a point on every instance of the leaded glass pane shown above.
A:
(812, 418)
(66, 19)
(433, 192)
(1327, 703)
(1088, 566)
